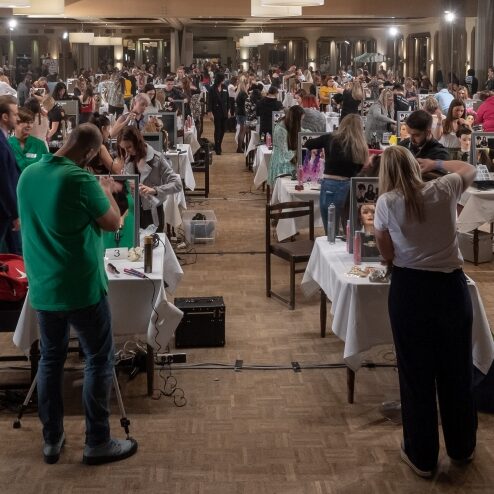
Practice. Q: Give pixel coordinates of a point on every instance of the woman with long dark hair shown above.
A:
(103, 162)
(453, 121)
(285, 142)
(88, 104)
(155, 105)
(429, 305)
(157, 179)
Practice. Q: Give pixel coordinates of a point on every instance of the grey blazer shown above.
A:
(377, 121)
(155, 171)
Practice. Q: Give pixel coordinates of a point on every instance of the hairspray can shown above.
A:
(331, 223)
(357, 244)
(148, 254)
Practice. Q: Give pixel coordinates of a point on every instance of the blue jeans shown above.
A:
(336, 192)
(93, 326)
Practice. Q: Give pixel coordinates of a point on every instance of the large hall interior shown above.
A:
(279, 373)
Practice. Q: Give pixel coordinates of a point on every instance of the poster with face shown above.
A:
(276, 117)
(482, 149)
(422, 98)
(401, 118)
(310, 162)
(363, 197)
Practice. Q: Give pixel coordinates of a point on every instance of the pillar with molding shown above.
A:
(484, 54)
(175, 60)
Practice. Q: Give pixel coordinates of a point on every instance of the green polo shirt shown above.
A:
(32, 151)
(62, 243)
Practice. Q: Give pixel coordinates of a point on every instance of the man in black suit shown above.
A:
(218, 109)
(9, 175)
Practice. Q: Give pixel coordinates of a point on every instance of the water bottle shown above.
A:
(331, 223)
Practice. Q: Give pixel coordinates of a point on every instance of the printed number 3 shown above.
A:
(116, 253)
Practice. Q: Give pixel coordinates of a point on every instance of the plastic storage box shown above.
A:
(465, 241)
(199, 231)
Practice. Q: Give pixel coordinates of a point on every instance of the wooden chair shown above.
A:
(201, 166)
(295, 252)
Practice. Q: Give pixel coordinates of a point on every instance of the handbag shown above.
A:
(13, 279)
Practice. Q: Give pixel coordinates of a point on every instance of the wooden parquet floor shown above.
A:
(254, 431)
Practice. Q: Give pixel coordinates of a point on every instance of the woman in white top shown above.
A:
(432, 106)
(429, 305)
(453, 121)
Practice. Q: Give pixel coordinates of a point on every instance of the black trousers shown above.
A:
(219, 131)
(431, 319)
(146, 218)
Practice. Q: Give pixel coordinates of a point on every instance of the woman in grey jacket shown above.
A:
(157, 179)
(379, 116)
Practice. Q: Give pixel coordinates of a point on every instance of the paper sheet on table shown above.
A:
(163, 324)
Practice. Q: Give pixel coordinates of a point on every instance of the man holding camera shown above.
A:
(63, 252)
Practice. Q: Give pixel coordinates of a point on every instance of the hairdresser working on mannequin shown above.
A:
(156, 177)
(429, 305)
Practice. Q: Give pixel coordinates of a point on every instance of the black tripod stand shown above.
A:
(124, 421)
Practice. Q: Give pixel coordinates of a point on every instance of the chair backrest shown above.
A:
(286, 210)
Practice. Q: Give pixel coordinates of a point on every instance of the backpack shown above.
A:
(13, 279)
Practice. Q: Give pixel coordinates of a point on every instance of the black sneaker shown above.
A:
(113, 450)
(51, 452)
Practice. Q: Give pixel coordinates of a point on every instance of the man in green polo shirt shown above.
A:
(63, 210)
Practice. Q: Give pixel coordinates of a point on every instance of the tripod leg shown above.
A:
(25, 404)
(124, 421)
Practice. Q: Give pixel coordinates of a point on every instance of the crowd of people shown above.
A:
(40, 149)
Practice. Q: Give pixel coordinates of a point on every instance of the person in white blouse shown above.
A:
(429, 305)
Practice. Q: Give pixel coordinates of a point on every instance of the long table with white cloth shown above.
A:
(284, 191)
(360, 307)
(134, 310)
(261, 164)
(182, 159)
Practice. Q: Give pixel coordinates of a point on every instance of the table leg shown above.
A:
(150, 368)
(476, 246)
(323, 314)
(350, 384)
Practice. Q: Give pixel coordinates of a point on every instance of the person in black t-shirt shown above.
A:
(421, 143)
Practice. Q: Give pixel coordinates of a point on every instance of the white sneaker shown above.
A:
(426, 474)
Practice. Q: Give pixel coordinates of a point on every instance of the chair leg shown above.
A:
(292, 285)
(350, 384)
(323, 314)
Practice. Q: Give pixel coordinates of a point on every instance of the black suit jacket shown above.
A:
(218, 101)
(9, 176)
(432, 150)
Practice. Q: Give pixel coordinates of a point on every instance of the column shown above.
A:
(483, 40)
(174, 50)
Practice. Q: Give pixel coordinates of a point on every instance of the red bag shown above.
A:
(13, 279)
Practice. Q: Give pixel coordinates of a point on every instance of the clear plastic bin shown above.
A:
(199, 231)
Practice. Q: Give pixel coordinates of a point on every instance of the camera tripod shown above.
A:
(124, 421)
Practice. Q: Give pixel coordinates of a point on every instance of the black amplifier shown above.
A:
(203, 324)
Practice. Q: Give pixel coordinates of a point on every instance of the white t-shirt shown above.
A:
(433, 244)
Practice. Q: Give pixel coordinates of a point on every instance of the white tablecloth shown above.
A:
(173, 206)
(479, 209)
(190, 137)
(261, 164)
(284, 191)
(360, 308)
(253, 142)
(182, 164)
(130, 301)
